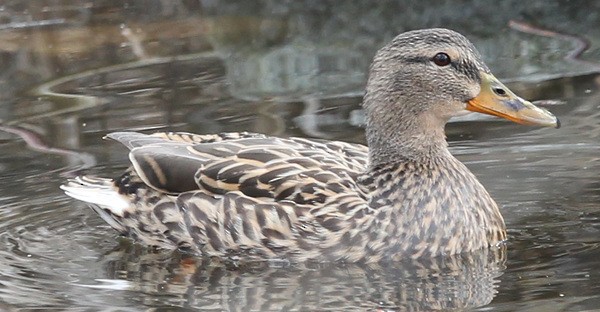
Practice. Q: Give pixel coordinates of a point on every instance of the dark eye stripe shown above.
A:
(417, 59)
(466, 68)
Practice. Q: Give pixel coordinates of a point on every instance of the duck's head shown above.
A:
(421, 79)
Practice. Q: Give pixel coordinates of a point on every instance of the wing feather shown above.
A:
(299, 170)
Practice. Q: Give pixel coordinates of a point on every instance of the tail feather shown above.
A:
(102, 195)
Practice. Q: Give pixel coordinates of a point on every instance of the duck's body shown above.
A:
(248, 196)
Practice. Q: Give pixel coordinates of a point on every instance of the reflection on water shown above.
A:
(71, 73)
(455, 282)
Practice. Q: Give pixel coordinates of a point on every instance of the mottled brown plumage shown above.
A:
(245, 196)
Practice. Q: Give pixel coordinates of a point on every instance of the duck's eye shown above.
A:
(441, 59)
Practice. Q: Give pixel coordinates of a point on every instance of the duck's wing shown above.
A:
(296, 169)
(165, 161)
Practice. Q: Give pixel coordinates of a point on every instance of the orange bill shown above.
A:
(497, 100)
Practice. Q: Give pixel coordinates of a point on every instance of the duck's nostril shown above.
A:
(499, 91)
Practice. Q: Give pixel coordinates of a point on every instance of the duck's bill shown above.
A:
(496, 99)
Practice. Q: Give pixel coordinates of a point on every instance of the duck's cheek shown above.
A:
(451, 109)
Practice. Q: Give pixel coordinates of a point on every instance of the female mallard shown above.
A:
(245, 196)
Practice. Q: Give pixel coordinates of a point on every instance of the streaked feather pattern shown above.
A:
(245, 196)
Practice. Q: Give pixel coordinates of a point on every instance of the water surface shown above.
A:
(72, 73)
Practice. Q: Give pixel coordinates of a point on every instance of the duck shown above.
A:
(252, 197)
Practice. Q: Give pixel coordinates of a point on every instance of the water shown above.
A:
(73, 72)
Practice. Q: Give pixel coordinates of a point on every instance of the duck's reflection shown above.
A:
(457, 282)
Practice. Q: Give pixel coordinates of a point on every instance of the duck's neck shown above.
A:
(396, 138)
(402, 125)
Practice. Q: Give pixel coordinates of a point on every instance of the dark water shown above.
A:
(74, 71)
